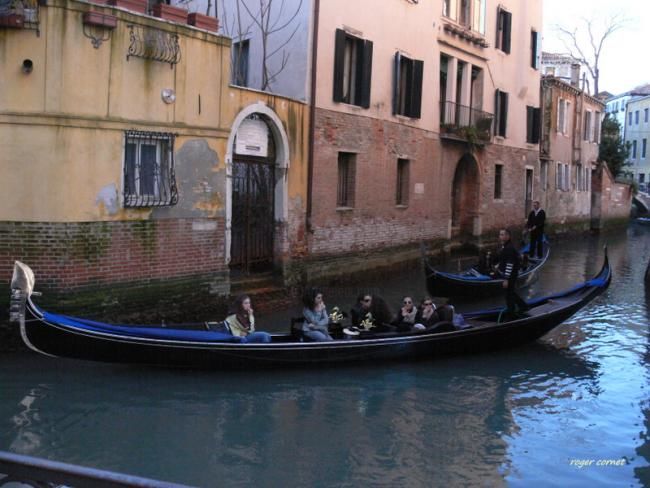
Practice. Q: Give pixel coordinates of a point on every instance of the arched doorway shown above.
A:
(465, 196)
(256, 190)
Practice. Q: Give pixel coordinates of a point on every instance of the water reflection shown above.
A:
(448, 420)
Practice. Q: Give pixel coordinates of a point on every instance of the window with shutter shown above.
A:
(504, 26)
(352, 69)
(532, 125)
(407, 86)
(500, 113)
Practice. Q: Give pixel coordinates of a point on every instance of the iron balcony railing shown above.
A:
(465, 123)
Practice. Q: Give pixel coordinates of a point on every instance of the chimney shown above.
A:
(575, 74)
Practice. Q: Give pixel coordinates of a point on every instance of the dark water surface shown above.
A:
(570, 410)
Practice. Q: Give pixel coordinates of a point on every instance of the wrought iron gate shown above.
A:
(253, 188)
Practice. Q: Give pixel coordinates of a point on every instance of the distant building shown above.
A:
(571, 122)
(637, 133)
(566, 68)
(616, 105)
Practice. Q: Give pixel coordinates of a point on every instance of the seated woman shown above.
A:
(382, 315)
(315, 326)
(241, 322)
(427, 314)
(405, 319)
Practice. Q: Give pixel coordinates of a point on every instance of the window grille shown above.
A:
(149, 179)
(346, 180)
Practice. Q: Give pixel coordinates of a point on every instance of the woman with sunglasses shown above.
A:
(405, 319)
(427, 314)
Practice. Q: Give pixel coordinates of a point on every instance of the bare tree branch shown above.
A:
(573, 41)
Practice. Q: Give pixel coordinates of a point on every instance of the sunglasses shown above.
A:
(407, 302)
(427, 303)
(367, 299)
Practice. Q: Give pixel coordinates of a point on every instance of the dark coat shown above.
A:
(509, 263)
(536, 221)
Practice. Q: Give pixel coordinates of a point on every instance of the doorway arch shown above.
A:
(465, 196)
(272, 163)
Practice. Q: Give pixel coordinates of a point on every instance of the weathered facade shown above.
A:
(413, 143)
(129, 159)
(571, 123)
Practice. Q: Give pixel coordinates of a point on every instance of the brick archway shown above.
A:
(465, 196)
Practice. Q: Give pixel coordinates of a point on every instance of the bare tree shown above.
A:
(268, 18)
(585, 42)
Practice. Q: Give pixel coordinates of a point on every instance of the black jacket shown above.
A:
(509, 263)
(536, 221)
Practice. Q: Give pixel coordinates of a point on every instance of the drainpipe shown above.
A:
(312, 116)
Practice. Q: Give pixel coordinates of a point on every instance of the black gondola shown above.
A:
(473, 283)
(64, 336)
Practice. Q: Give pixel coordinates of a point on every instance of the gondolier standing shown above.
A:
(535, 226)
(508, 268)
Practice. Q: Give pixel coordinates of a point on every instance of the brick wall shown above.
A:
(612, 200)
(170, 268)
(375, 220)
(67, 256)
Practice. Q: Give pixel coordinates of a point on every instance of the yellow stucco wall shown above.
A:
(62, 125)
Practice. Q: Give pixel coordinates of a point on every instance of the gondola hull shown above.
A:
(68, 337)
(442, 284)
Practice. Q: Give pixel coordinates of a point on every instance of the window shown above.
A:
(579, 177)
(402, 184)
(469, 13)
(535, 47)
(543, 177)
(500, 113)
(345, 188)
(645, 114)
(634, 149)
(240, 55)
(352, 69)
(644, 144)
(149, 179)
(549, 70)
(567, 181)
(504, 22)
(587, 126)
(563, 115)
(498, 175)
(630, 118)
(407, 88)
(532, 125)
(562, 181)
(597, 123)
(636, 117)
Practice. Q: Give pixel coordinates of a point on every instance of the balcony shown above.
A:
(465, 124)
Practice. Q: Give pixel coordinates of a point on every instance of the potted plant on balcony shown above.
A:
(169, 12)
(139, 6)
(12, 14)
(203, 21)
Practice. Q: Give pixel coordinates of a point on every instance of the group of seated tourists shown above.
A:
(370, 314)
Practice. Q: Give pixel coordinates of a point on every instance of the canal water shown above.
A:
(570, 410)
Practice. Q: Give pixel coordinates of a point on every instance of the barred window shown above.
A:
(149, 179)
(346, 180)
